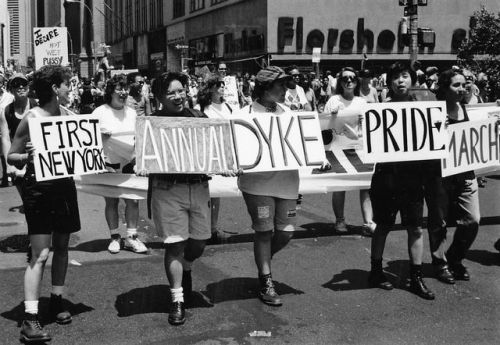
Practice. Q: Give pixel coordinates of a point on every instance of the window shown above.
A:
(215, 2)
(159, 12)
(128, 16)
(179, 8)
(137, 26)
(196, 5)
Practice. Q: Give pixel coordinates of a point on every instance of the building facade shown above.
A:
(176, 34)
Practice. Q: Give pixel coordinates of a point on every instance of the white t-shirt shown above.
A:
(296, 98)
(350, 131)
(6, 98)
(120, 146)
(279, 184)
(218, 111)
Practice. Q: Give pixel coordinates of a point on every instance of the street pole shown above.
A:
(413, 5)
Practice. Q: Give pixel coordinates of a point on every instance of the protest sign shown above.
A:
(267, 142)
(231, 92)
(114, 72)
(473, 145)
(483, 111)
(51, 46)
(404, 131)
(183, 145)
(66, 146)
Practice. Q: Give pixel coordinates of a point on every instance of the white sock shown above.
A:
(177, 295)
(31, 307)
(57, 290)
(131, 232)
(187, 265)
(114, 231)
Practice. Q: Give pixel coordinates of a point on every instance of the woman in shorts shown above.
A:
(50, 207)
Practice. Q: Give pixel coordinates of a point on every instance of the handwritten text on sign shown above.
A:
(404, 131)
(183, 145)
(66, 146)
(51, 46)
(473, 146)
(267, 142)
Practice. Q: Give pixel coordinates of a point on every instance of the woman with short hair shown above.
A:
(50, 207)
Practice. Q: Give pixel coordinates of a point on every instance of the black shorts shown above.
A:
(50, 206)
(398, 187)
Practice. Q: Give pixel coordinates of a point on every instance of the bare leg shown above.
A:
(262, 251)
(60, 258)
(131, 213)
(40, 247)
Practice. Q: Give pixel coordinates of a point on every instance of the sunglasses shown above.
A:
(348, 78)
(19, 84)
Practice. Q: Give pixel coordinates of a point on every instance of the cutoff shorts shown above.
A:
(181, 211)
(270, 213)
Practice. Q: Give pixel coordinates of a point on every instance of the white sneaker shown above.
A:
(114, 246)
(134, 244)
(341, 226)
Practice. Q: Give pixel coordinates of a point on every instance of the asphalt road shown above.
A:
(123, 298)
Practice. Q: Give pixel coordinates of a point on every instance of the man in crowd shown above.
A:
(295, 97)
(136, 98)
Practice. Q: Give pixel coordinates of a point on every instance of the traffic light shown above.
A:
(426, 37)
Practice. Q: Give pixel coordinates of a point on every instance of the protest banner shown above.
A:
(66, 146)
(483, 111)
(231, 92)
(404, 131)
(183, 145)
(114, 72)
(267, 142)
(51, 46)
(473, 145)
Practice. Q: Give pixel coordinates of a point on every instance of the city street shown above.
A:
(123, 298)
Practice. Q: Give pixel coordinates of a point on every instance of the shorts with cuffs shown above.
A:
(270, 213)
(181, 210)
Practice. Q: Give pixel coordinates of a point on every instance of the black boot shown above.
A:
(377, 278)
(459, 271)
(267, 293)
(57, 311)
(32, 330)
(417, 285)
(442, 271)
(187, 285)
(177, 315)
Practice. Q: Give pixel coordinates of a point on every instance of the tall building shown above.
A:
(170, 34)
(4, 32)
(21, 21)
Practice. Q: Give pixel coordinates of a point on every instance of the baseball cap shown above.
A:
(270, 74)
(18, 76)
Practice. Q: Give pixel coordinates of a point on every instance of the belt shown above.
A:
(189, 180)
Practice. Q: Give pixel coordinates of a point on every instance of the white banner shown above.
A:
(267, 142)
(66, 146)
(51, 46)
(404, 131)
(473, 146)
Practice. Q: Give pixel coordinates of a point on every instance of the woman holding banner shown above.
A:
(270, 197)
(118, 131)
(399, 186)
(212, 103)
(456, 194)
(347, 102)
(50, 207)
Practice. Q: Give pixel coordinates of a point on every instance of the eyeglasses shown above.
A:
(348, 78)
(294, 76)
(173, 93)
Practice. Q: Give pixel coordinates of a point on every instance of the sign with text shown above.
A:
(404, 131)
(183, 145)
(473, 145)
(66, 146)
(51, 46)
(268, 142)
(231, 92)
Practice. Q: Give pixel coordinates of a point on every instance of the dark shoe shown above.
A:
(267, 293)
(459, 271)
(497, 245)
(377, 279)
(418, 287)
(177, 315)
(443, 274)
(32, 330)
(57, 311)
(187, 285)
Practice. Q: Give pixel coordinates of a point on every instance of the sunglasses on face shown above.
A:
(348, 78)
(17, 85)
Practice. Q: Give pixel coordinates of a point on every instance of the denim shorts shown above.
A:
(270, 213)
